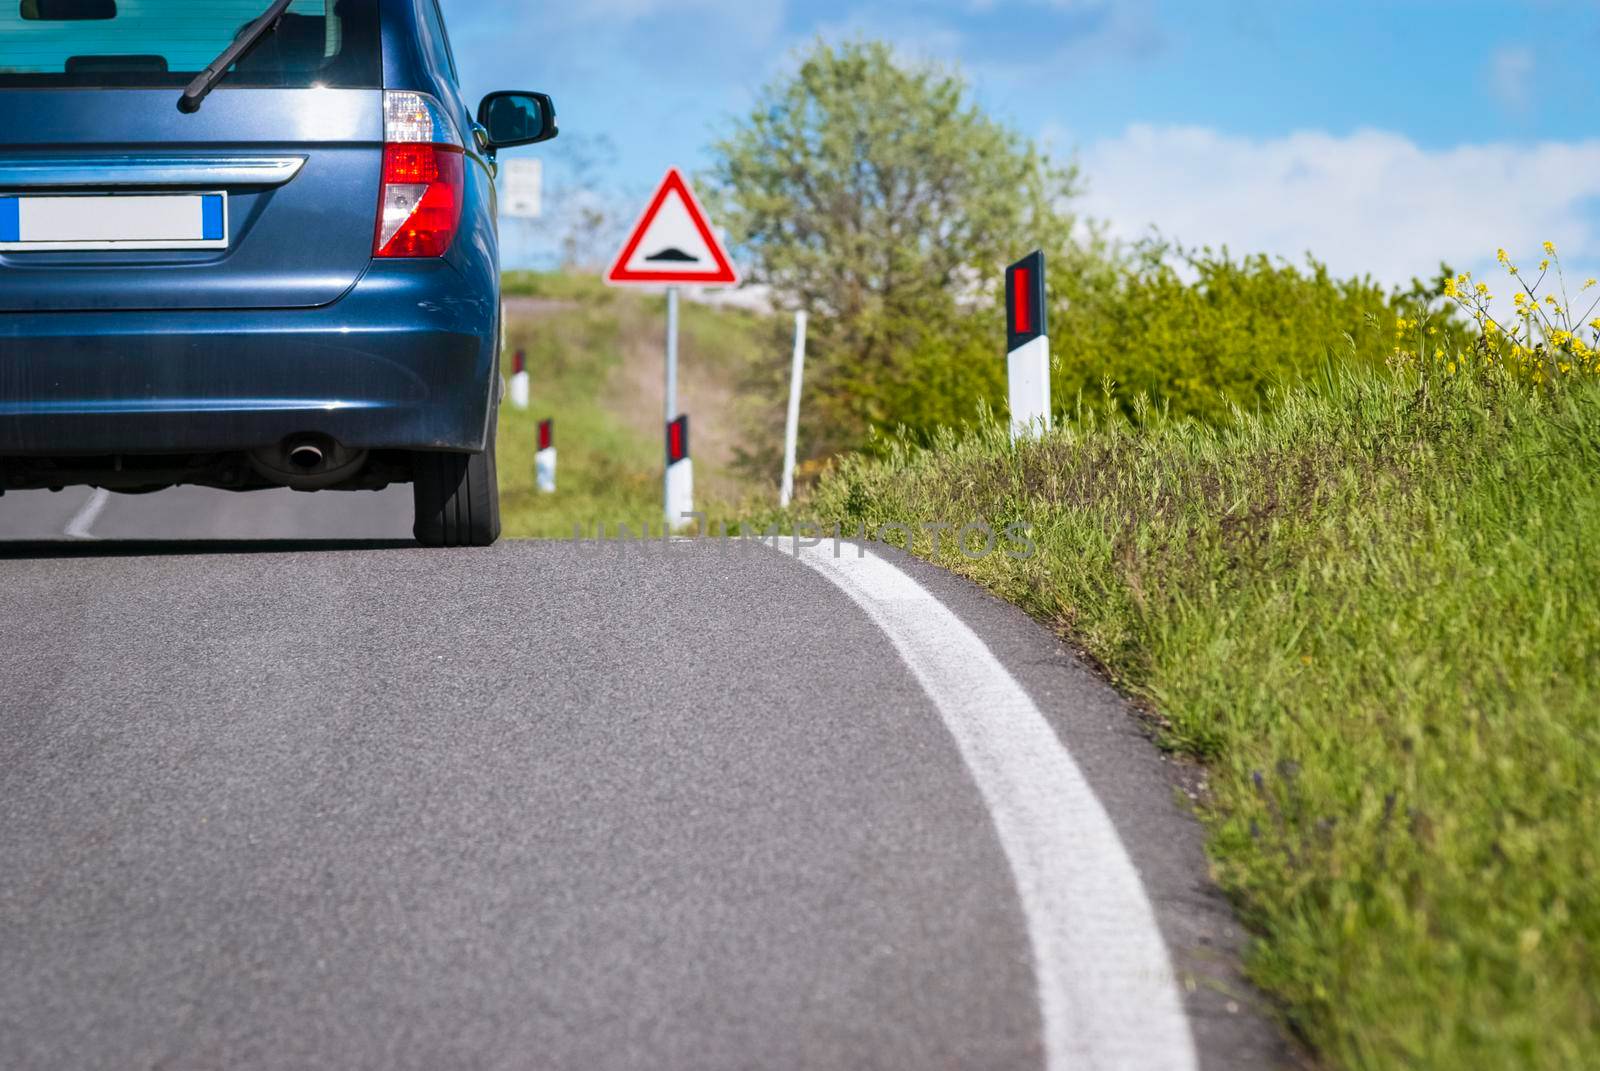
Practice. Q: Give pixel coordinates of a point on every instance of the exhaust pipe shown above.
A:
(306, 456)
(308, 462)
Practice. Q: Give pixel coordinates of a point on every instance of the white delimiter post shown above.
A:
(544, 462)
(1028, 346)
(680, 475)
(791, 431)
(519, 381)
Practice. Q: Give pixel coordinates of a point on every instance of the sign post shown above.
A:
(791, 428)
(679, 498)
(673, 245)
(670, 391)
(1028, 348)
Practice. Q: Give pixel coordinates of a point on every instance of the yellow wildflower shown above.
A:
(1550, 247)
(1500, 255)
(1544, 265)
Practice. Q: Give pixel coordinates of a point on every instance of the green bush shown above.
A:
(1193, 334)
(1198, 333)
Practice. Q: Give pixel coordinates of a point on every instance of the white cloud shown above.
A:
(1368, 203)
(1511, 72)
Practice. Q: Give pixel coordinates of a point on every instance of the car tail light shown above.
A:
(424, 179)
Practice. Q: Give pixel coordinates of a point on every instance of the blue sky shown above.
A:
(1380, 136)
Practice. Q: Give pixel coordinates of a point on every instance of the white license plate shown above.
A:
(30, 223)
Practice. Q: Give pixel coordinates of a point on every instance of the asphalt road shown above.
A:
(280, 790)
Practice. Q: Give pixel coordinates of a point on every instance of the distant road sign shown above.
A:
(673, 244)
(524, 189)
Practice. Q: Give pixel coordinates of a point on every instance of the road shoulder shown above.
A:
(1142, 792)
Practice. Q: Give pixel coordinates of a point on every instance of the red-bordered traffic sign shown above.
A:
(673, 244)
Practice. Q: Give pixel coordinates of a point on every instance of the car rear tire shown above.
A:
(457, 499)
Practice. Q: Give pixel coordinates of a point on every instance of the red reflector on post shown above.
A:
(1021, 301)
(519, 363)
(677, 440)
(1025, 301)
(546, 434)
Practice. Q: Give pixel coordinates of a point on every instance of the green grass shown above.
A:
(1374, 611)
(595, 358)
(588, 289)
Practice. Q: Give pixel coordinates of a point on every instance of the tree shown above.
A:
(879, 197)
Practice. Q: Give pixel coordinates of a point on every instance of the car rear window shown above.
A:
(79, 43)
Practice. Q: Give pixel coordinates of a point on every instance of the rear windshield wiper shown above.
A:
(217, 70)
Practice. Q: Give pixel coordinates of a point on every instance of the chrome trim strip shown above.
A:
(115, 172)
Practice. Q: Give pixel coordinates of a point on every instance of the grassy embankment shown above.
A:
(595, 357)
(1372, 610)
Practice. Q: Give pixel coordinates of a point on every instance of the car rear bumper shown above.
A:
(405, 360)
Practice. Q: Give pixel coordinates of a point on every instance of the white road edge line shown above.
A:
(1108, 996)
(82, 521)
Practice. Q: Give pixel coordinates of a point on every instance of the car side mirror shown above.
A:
(514, 118)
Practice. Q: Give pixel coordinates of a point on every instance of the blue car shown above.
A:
(249, 244)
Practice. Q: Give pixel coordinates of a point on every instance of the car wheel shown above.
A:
(457, 499)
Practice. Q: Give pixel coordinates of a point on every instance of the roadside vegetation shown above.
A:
(595, 357)
(1369, 607)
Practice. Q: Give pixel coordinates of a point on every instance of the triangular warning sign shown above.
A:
(673, 243)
